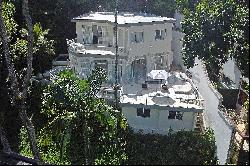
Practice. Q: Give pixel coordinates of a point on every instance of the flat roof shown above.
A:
(122, 18)
(176, 94)
(154, 96)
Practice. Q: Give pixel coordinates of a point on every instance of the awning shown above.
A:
(159, 74)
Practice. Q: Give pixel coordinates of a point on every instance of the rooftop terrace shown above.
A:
(176, 92)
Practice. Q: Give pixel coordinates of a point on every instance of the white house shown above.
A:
(144, 45)
(157, 107)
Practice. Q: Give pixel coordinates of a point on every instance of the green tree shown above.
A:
(81, 129)
(161, 7)
(19, 49)
(56, 15)
(43, 52)
(19, 91)
(214, 32)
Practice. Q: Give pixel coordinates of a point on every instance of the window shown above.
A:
(86, 30)
(102, 35)
(99, 31)
(143, 112)
(160, 34)
(171, 115)
(136, 37)
(179, 115)
(175, 115)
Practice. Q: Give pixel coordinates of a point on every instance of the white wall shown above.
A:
(231, 70)
(136, 49)
(158, 121)
(177, 41)
(158, 46)
(179, 18)
(176, 48)
(79, 32)
(146, 49)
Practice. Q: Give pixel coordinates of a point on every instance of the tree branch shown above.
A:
(23, 114)
(9, 64)
(25, 10)
(20, 98)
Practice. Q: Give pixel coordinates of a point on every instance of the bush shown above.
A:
(180, 148)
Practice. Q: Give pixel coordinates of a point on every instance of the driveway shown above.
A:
(213, 120)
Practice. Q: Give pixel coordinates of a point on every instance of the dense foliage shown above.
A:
(62, 141)
(73, 126)
(80, 129)
(215, 31)
(180, 148)
(43, 49)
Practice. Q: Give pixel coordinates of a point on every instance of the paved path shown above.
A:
(213, 119)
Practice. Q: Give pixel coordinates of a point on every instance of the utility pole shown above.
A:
(116, 55)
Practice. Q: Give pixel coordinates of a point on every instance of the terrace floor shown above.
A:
(174, 93)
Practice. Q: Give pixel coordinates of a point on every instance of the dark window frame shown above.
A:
(160, 34)
(171, 114)
(143, 112)
(175, 115)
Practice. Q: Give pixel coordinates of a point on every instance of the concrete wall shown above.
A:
(176, 48)
(86, 64)
(135, 48)
(79, 31)
(149, 47)
(158, 120)
(179, 18)
(177, 41)
(231, 70)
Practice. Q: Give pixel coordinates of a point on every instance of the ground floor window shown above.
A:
(175, 115)
(143, 112)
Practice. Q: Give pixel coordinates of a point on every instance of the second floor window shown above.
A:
(160, 34)
(136, 37)
(99, 31)
(86, 30)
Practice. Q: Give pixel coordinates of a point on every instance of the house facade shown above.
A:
(144, 45)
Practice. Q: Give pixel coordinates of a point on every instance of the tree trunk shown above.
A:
(19, 97)
(23, 114)
(4, 140)
(25, 10)
(4, 36)
(31, 133)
